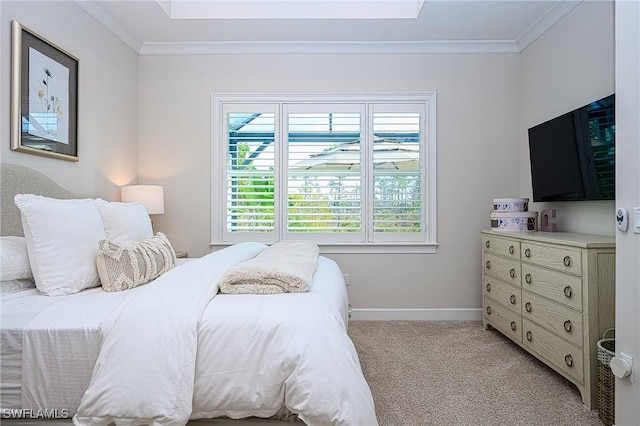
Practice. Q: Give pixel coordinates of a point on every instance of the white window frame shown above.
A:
(425, 243)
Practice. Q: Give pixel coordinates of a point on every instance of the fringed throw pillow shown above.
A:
(127, 264)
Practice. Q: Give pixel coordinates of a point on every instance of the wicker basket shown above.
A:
(606, 380)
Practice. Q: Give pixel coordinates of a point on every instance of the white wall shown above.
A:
(107, 103)
(628, 196)
(571, 65)
(477, 143)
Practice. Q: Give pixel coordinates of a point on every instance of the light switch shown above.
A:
(636, 220)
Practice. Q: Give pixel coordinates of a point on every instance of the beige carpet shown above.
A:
(457, 373)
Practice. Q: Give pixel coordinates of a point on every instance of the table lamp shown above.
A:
(151, 197)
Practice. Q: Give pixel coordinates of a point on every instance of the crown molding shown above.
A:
(554, 15)
(96, 11)
(328, 47)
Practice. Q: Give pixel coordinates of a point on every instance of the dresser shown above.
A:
(552, 293)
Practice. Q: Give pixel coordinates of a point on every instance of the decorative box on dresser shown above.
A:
(553, 293)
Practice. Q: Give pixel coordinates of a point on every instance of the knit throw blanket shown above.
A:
(284, 267)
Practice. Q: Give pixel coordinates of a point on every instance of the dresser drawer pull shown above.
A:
(511, 249)
(567, 292)
(527, 253)
(568, 359)
(529, 336)
(487, 264)
(527, 306)
(513, 325)
(567, 326)
(527, 278)
(488, 287)
(512, 273)
(487, 244)
(512, 299)
(488, 310)
(566, 261)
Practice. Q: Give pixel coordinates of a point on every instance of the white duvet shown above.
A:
(163, 362)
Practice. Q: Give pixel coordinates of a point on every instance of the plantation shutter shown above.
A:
(398, 170)
(250, 165)
(324, 177)
(344, 171)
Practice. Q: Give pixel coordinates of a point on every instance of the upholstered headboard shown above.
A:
(22, 180)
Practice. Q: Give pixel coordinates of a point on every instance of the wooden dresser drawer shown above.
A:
(563, 288)
(504, 269)
(560, 258)
(501, 246)
(565, 322)
(503, 293)
(567, 294)
(505, 320)
(562, 354)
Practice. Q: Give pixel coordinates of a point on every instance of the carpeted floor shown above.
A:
(456, 373)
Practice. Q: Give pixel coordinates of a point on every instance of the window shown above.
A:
(345, 171)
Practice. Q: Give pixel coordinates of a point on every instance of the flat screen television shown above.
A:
(573, 155)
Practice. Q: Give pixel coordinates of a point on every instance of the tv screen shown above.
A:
(573, 155)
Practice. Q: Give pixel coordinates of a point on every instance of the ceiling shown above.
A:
(441, 26)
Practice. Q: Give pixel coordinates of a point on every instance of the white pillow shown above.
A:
(62, 242)
(125, 221)
(14, 260)
(8, 286)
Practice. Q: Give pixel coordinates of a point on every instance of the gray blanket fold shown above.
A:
(284, 267)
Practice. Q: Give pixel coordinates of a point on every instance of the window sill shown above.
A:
(349, 248)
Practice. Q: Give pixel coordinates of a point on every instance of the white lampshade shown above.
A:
(151, 197)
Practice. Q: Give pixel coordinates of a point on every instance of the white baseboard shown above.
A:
(426, 314)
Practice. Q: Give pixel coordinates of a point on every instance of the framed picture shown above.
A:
(44, 96)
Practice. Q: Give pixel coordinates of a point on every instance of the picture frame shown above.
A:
(44, 96)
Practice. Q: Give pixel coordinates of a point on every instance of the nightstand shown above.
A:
(181, 254)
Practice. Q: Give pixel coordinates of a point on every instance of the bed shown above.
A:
(175, 349)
